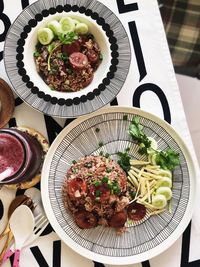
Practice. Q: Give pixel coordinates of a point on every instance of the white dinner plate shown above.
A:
(144, 240)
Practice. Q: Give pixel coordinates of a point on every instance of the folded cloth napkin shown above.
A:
(181, 20)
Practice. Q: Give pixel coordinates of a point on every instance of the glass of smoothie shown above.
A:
(21, 156)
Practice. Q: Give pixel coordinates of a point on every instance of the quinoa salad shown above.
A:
(66, 60)
(96, 192)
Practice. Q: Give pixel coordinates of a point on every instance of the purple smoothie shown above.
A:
(11, 155)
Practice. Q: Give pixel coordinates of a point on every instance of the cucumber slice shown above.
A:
(149, 157)
(152, 158)
(165, 173)
(154, 144)
(45, 36)
(55, 26)
(67, 24)
(165, 191)
(81, 28)
(165, 181)
(159, 201)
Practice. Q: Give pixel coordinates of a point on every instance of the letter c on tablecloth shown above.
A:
(158, 91)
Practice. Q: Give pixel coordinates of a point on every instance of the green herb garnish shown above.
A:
(65, 58)
(105, 180)
(135, 131)
(107, 155)
(96, 183)
(125, 117)
(108, 170)
(129, 222)
(115, 189)
(124, 161)
(167, 159)
(74, 170)
(50, 47)
(100, 143)
(36, 53)
(67, 38)
(132, 194)
(88, 164)
(69, 71)
(54, 70)
(98, 193)
(37, 50)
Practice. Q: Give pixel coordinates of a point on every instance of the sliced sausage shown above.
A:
(85, 219)
(71, 48)
(118, 219)
(136, 211)
(76, 187)
(78, 60)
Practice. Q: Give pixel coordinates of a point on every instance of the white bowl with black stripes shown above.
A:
(108, 78)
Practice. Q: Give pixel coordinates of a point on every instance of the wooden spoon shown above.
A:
(7, 103)
(19, 200)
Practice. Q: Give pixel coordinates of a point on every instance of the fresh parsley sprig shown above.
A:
(135, 131)
(167, 159)
(67, 38)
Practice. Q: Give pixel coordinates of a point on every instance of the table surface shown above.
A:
(151, 67)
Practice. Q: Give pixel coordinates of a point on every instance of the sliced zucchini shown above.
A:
(165, 173)
(159, 201)
(45, 36)
(67, 24)
(154, 144)
(165, 191)
(55, 26)
(81, 28)
(165, 181)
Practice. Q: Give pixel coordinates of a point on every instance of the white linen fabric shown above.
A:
(150, 85)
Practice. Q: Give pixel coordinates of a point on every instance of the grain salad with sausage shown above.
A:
(66, 55)
(98, 190)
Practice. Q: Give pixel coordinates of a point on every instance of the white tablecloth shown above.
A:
(150, 85)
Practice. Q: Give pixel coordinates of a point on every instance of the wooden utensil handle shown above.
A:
(5, 232)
